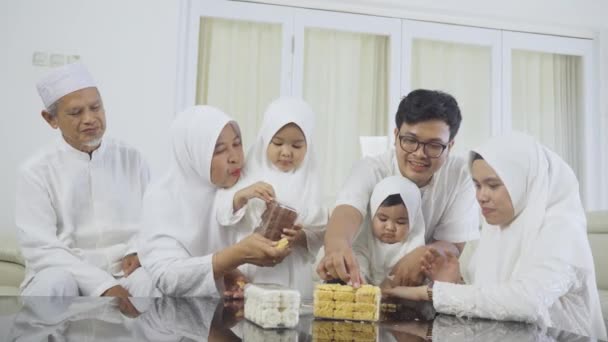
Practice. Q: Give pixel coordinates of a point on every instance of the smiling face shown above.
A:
(391, 224)
(227, 160)
(81, 118)
(492, 195)
(417, 166)
(287, 148)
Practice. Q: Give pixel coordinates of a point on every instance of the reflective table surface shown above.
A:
(199, 319)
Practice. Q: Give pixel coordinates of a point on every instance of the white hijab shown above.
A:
(299, 188)
(549, 221)
(383, 256)
(182, 202)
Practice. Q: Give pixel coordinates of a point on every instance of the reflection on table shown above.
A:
(201, 319)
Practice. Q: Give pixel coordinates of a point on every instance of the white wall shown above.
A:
(130, 48)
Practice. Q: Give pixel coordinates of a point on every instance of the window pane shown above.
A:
(346, 82)
(239, 69)
(464, 71)
(547, 101)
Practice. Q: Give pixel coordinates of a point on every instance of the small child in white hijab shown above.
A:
(396, 228)
(281, 167)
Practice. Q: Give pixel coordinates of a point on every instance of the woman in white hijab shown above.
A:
(533, 262)
(396, 228)
(182, 245)
(281, 166)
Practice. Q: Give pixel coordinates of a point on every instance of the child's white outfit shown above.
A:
(298, 189)
(376, 258)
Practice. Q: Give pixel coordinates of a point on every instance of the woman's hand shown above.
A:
(261, 190)
(234, 284)
(260, 251)
(416, 293)
(295, 235)
(438, 267)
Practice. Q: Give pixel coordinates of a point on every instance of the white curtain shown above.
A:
(346, 82)
(547, 101)
(603, 108)
(464, 71)
(239, 69)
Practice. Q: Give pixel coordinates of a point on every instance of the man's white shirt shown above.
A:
(450, 210)
(80, 212)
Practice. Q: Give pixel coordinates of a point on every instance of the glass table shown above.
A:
(201, 319)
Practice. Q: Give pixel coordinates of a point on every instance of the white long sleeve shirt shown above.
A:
(450, 210)
(547, 293)
(180, 231)
(80, 212)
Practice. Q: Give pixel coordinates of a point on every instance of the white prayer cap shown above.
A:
(62, 81)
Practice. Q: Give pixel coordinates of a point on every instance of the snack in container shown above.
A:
(335, 301)
(275, 218)
(272, 306)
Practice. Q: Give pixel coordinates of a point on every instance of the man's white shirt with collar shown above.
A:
(80, 212)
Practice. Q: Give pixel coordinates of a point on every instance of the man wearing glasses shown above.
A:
(426, 124)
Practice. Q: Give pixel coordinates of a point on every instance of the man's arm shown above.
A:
(339, 261)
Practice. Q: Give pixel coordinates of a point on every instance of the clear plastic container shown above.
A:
(335, 301)
(272, 306)
(275, 218)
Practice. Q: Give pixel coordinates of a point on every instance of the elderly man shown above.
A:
(79, 199)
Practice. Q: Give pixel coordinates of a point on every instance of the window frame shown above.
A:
(390, 27)
(591, 194)
(191, 13)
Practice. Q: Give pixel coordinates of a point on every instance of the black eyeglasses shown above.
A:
(431, 149)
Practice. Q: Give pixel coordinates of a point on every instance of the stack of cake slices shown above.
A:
(345, 302)
(272, 306)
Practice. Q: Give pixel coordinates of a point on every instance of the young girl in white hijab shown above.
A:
(397, 227)
(182, 245)
(533, 262)
(281, 166)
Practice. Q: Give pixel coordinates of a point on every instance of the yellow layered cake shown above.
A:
(345, 302)
(344, 331)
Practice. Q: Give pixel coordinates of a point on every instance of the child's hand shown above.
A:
(295, 235)
(407, 271)
(261, 190)
(439, 267)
